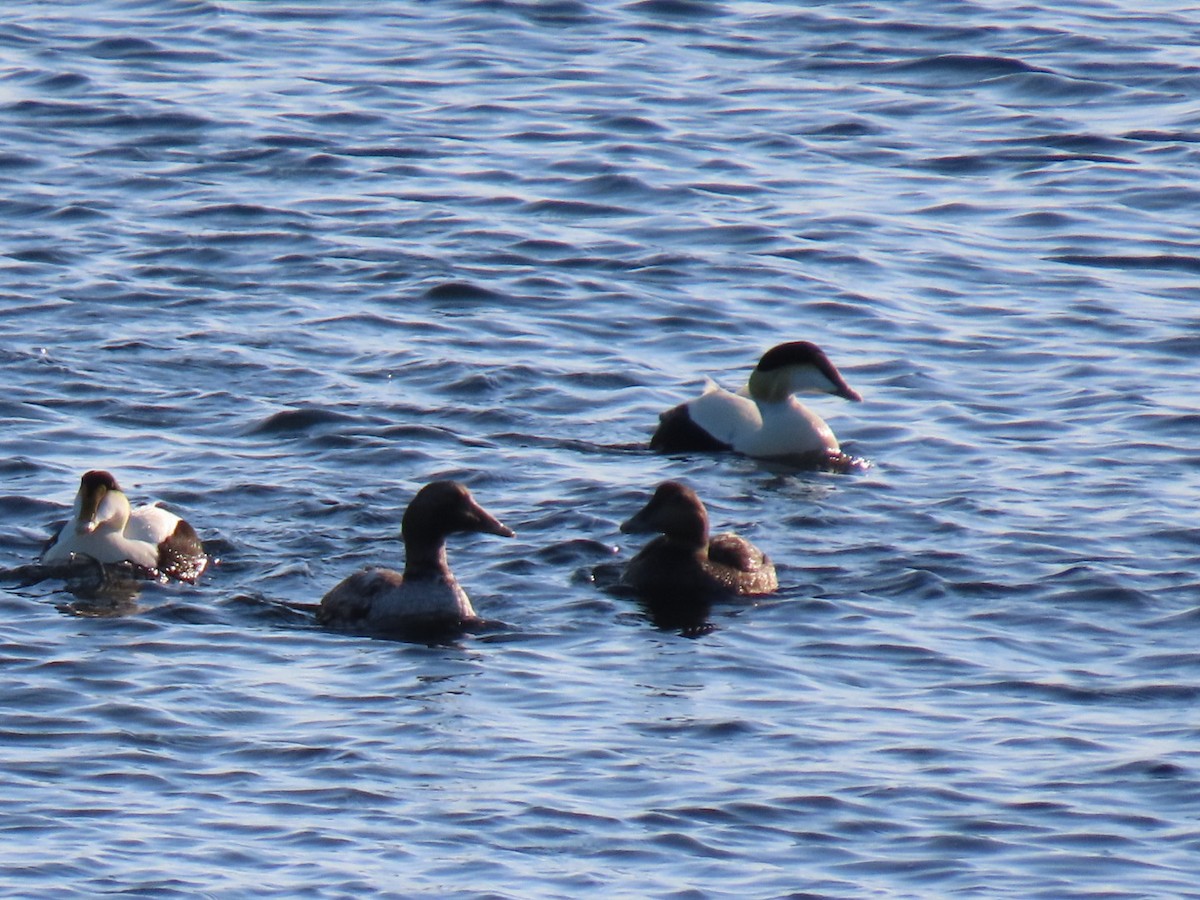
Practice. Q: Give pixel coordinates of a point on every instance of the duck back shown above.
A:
(678, 433)
(382, 599)
(739, 566)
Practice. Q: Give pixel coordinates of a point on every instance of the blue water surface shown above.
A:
(278, 264)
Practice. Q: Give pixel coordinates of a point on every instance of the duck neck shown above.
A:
(425, 557)
(693, 535)
(768, 387)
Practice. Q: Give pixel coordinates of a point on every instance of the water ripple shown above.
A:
(278, 265)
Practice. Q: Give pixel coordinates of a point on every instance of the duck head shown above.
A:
(676, 511)
(442, 508)
(797, 367)
(100, 504)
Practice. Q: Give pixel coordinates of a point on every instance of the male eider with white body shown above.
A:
(683, 564)
(105, 528)
(426, 598)
(762, 420)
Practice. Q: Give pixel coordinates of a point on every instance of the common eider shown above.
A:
(426, 598)
(103, 527)
(762, 420)
(683, 565)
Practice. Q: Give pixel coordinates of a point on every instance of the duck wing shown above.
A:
(741, 566)
(728, 417)
(182, 554)
(51, 541)
(351, 602)
(678, 433)
(716, 420)
(180, 550)
(151, 524)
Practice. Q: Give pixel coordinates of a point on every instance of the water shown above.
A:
(278, 265)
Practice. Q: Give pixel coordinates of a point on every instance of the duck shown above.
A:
(763, 419)
(426, 597)
(680, 572)
(105, 528)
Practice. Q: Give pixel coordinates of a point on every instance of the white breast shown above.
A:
(789, 428)
(784, 428)
(106, 547)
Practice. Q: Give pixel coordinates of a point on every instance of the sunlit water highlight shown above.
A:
(279, 265)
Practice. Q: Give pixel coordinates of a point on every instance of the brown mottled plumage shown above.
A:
(683, 562)
(426, 597)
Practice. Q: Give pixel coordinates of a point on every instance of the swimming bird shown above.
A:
(682, 570)
(426, 598)
(762, 420)
(105, 528)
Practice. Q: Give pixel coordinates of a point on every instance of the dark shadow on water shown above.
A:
(835, 463)
(684, 613)
(573, 444)
(102, 590)
(444, 633)
(260, 610)
(438, 634)
(99, 591)
(838, 463)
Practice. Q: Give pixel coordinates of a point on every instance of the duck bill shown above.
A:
(486, 523)
(111, 510)
(648, 519)
(89, 506)
(844, 390)
(840, 387)
(638, 523)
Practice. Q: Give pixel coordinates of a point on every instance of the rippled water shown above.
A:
(280, 264)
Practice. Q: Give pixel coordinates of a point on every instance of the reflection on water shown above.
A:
(280, 266)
